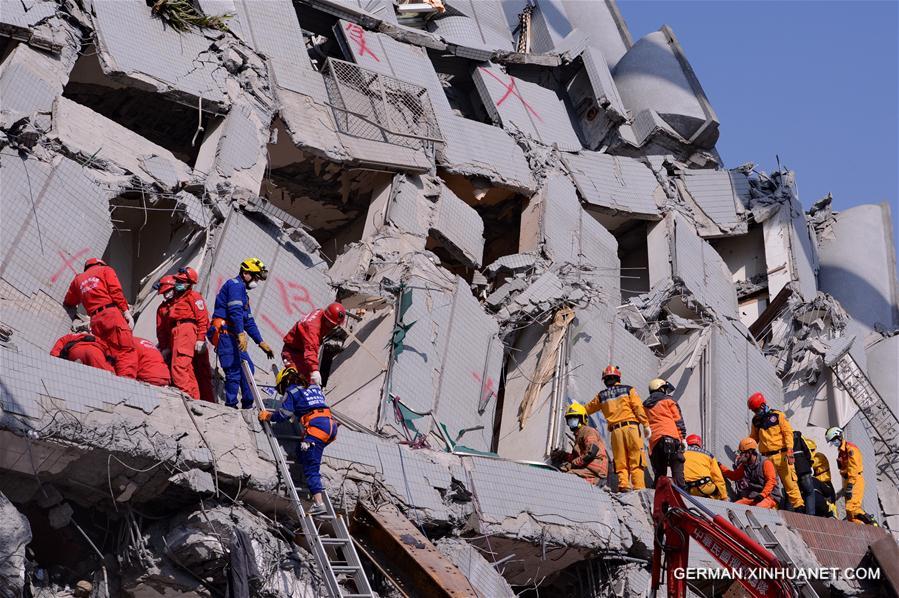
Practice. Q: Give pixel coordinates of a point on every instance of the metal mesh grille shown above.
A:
(373, 106)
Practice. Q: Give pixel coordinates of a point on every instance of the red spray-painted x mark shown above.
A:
(357, 34)
(67, 263)
(512, 90)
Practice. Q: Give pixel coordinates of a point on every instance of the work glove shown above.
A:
(265, 416)
(316, 378)
(242, 341)
(199, 346)
(267, 350)
(305, 446)
(565, 467)
(847, 492)
(754, 496)
(129, 318)
(647, 432)
(790, 458)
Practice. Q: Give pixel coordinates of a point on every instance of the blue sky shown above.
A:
(814, 82)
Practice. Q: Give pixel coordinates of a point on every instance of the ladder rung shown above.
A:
(345, 568)
(334, 541)
(357, 595)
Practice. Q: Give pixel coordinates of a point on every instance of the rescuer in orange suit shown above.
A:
(702, 472)
(666, 448)
(621, 406)
(84, 348)
(99, 290)
(755, 478)
(849, 460)
(772, 430)
(587, 459)
(182, 321)
(303, 341)
(151, 367)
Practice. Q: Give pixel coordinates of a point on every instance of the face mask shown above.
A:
(252, 284)
(573, 422)
(180, 287)
(835, 442)
(168, 295)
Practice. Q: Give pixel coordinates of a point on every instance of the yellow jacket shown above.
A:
(849, 460)
(820, 464)
(618, 403)
(772, 431)
(698, 464)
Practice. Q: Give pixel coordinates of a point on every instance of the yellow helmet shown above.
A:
(811, 444)
(284, 376)
(660, 384)
(254, 266)
(576, 409)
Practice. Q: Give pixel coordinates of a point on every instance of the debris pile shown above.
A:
(506, 196)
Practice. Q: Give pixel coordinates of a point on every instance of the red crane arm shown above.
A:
(676, 523)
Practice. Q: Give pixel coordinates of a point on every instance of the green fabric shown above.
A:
(401, 328)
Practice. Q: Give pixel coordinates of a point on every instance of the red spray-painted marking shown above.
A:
(67, 263)
(512, 90)
(357, 34)
(293, 294)
(488, 391)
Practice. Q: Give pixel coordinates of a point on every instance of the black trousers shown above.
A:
(668, 453)
(807, 489)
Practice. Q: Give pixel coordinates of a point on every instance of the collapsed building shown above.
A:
(510, 195)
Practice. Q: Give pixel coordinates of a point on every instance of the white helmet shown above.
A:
(834, 435)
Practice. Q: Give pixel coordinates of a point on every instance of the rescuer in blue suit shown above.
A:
(307, 403)
(232, 322)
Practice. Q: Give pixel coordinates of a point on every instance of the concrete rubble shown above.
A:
(508, 196)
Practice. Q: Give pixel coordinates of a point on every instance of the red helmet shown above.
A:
(756, 401)
(335, 313)
(611, 371)
(166, 283)
(188, 275)
(694, 440)
(93, 261)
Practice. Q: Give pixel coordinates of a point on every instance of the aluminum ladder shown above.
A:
(882, 425)
(335, 554)
(764, 536)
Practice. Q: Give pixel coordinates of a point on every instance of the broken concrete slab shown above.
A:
(546, 531)
(719, 196)
(595, 99)
(677, 252)
(30, 80)
(141, 50)
(555, 223)
(15, 536)
(654, 74)
(297, 287)
(100, 141)
(615, 184)
(453, 349)
(519, 105)
(475, 567)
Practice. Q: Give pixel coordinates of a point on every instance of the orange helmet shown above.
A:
(166, 283)
(756, 401)
(694, 440)
(748, 444)
(335, 313)
(94, 261)
(188, 275)
(611, 371)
